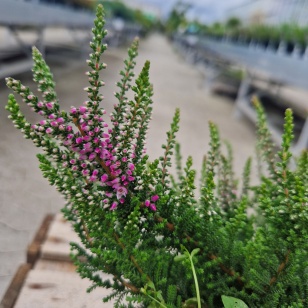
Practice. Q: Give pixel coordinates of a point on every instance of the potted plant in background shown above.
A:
(164, 246)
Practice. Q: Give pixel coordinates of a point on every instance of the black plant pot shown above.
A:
(289, 47)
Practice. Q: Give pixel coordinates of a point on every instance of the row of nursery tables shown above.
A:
(284, 77)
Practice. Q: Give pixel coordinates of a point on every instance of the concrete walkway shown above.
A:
(25, 195)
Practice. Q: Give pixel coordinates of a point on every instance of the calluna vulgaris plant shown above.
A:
(133, 218)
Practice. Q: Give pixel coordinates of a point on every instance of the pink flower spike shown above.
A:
(113, 206)
(123, 177)
(154, 198)
(122, 200)
(104, 178)
(69, 128)
(130, 178)
(147, 203)
(49, 130)
(73, 161)
(152, 207)
(43, 122)
(60, 120)
(124, 159)
(108, 194)
(40, 104)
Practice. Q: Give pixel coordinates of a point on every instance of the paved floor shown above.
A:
(25, 195)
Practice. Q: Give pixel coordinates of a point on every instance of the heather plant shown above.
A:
(163, 246)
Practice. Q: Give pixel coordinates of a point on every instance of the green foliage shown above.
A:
(231, 302)
(133, 218)
(177, 18)
(118, 9)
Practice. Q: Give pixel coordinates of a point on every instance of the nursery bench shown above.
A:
(282, 78)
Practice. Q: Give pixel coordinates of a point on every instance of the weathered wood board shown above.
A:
(57, 243)
(59, 289)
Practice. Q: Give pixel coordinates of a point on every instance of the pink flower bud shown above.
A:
(152, 207)
(79, 140)
(85, 172)
(131, 167)
(49, 105)
(95, 172)
(113, 206)
(83, 109)
(104, 178)
(73, 110)
(155, 198)
(52, 116)
(92, 156)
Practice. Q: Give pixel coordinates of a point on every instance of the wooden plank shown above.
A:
(42, 264)
(57, 244)
(50, 289)
(34, 249)
(15, 286)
